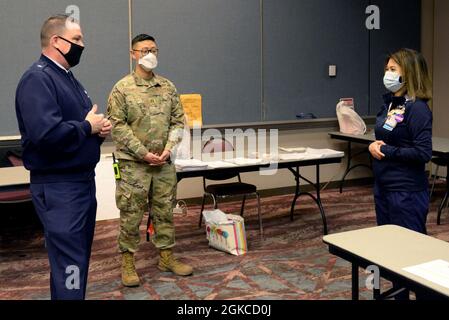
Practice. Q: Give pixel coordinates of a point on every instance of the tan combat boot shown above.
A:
(168, 262)
(129, 274)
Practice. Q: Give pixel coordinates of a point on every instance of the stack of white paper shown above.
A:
(324, 153)
(293, 150)
(190, 164)
(292, 156)
(310, 154)
(245, 161)
(220, 164)
(436, 271)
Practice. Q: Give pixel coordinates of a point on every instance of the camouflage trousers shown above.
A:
(143, 188)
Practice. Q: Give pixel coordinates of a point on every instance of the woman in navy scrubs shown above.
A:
(404, 143)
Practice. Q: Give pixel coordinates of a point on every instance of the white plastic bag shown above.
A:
(350, 122)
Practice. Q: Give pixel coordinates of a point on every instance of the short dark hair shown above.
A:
(142, 37)
(54, 25)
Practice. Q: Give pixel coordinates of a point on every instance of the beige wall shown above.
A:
(441, 69)
(427, 31)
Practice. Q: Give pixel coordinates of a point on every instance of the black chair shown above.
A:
(441, 162)
(224, 190)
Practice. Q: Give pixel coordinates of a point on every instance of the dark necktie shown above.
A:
(75, 85)
(72, 78)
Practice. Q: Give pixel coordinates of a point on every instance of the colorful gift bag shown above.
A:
(228, 236)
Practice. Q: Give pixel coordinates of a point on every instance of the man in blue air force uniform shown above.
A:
(61, 137)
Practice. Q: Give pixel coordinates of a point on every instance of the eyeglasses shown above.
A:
(144, 52)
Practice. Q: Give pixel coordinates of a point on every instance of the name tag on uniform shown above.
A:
(391, 123)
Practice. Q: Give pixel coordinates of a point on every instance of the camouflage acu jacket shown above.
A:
(146, 115)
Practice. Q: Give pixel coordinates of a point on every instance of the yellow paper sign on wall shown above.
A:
(192, 104)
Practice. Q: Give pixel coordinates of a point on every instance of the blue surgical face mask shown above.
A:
(393, 81)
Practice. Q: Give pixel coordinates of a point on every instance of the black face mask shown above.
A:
(74, 55)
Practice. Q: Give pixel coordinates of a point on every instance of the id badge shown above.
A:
(390, 124)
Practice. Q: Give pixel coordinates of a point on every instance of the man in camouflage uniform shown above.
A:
(148, 121)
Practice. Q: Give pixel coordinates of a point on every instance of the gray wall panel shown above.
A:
(400, 28)
(211, 47)
(301, 39)
(105, 60)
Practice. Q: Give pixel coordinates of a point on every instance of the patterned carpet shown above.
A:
(291, 262)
